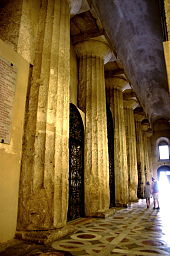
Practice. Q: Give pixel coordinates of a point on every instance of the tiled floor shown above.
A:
(132, 231)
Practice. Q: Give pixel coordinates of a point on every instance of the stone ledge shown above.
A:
(107, 213)
(45, 236)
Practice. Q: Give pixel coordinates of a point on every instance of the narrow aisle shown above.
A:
(132, 231)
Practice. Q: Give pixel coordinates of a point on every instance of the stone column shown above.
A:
(145, 127)
(92, 100)
(114, 91)
(44, 174)
(147, 133)
(166, 44)
(140, 155)
(129, 105)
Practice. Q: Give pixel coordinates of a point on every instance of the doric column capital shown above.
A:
(131, 103)
(145, 125)
(96, 47)
(117, 82)
(139, 117)
(139, 114)
(129, 99)
(149, 133)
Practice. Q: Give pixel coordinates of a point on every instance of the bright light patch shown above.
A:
(164, 152)
(164, 188)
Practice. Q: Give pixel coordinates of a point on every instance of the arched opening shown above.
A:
(163, 150)
(76, 165)
(110, 135)
(163, 174)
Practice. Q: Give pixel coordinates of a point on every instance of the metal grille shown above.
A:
(110, 135)
(163, 20)
(76, 165)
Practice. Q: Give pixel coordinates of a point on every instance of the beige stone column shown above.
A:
(44, 173)
(145, 127)
(114, 91)
(147, 133)
(92, 100)
(166, 44)
(167, 14)
(129, 105)
(140, 155)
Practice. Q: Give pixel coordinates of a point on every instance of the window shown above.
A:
(163, 150)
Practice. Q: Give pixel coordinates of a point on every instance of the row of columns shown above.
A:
(43, 196)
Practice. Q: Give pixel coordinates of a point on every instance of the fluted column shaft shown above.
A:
(150, 158)
(44, 174)
(140, 158)
(115, 95)
(146, 156)
(131, 151)
(96, 166)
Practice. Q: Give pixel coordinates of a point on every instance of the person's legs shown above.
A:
(154, 201)
(147, 202)
(157, 199)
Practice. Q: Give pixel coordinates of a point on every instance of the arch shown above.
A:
(163, 168)
(162, 142)
(76, 165)
(110, 135)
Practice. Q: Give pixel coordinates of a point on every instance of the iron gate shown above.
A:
(110, 135)
(76, 165)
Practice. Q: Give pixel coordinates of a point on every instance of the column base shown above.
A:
(44, 236)
(134, 200)
(105, 213)
(122, 205)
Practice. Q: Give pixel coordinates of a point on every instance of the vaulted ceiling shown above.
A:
(133, 29)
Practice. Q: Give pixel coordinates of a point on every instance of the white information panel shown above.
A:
(8, 74)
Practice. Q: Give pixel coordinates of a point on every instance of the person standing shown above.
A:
(155, 194)
(147, 193)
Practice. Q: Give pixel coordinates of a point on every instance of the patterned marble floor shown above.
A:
(133, 231)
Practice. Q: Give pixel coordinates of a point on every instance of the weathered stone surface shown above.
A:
(45, 236)
(114, 93)
(10, 14)
(131, 148)
(43, 198)
(92, 101)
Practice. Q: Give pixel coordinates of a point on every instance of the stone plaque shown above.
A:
(8, 74)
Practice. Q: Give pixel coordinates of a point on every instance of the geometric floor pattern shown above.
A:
(135, 230)
(132, 231)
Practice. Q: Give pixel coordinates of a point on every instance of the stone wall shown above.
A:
(10, 154)
(161, 130)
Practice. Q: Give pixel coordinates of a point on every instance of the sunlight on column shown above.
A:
(164, 188)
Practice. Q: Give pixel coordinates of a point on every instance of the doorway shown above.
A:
(163, 174)
(110, 136)
(76, 165)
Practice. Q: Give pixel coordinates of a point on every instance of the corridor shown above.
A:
(131, 231)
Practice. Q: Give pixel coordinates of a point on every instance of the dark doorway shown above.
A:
(76, 165)
(110, 136)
